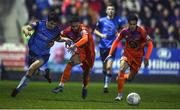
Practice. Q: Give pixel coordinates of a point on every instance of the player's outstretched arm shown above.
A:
(114, 45)
(99, 34)
(148, 53)
(64, 39)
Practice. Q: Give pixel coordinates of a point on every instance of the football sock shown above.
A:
(105, 73)
(61, 84)
(126, 76)
(85, 79)
(85, 76)
(23, 83)
(107, 80)
(65, 76)
(120, 82)
(120, 94)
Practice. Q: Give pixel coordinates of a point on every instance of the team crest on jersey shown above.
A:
(133, 44)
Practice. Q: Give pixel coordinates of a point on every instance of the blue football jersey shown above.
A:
(38, 42)
(109, 27)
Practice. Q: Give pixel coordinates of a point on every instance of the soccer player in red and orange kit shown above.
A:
(136, 39)
(83, 53)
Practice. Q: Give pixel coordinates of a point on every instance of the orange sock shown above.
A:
(121, 80)
(66, 74)
(126, 76)
(86, 70)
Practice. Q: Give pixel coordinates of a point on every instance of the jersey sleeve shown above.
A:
(34, 25)
(143, 33)
(116, 41)
(84, 38)
(147, 39)
(121, 34)
(99, 24)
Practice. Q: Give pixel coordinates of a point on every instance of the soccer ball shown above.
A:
(133, 98)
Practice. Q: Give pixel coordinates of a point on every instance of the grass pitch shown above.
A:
(38, 95)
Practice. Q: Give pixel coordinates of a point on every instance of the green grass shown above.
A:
(38, 95)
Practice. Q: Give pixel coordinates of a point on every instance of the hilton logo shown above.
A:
(164, 53)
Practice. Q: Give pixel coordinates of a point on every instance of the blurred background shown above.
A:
(161, 19)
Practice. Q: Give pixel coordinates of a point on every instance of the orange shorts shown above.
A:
(87, 57)
(133, 62)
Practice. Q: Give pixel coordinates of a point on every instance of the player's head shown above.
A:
(74, 22)
(110, 10)
(132, 21)
(53, 20)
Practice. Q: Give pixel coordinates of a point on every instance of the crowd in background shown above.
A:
(161, 18)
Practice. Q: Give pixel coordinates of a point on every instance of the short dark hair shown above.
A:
(110, 4)
(52, 16)
(132, 17)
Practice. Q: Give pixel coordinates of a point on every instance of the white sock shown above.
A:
(120, 94)
(23, 83)
(107, 81)
(61, 84)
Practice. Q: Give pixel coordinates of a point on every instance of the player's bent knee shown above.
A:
(108, 69)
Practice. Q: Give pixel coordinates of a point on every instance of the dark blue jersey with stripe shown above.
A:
(38, 42)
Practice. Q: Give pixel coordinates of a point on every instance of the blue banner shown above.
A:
(164, 61)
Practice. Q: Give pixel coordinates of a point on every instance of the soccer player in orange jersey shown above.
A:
(83, 53)
(136, 39)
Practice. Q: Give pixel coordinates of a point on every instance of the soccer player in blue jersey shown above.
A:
(43, 70)
(107, 29)
(45, 33)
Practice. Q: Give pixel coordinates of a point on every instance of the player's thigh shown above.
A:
(75, 59)
(35, 65)
(123, 65)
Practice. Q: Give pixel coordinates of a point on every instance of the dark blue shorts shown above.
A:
(33, 57)
(104, 52)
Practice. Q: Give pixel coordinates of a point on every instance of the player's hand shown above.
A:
(27, 32)
(103, 36)
(108, 58)
(146, 62)
(68, 44)
(72, 49)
